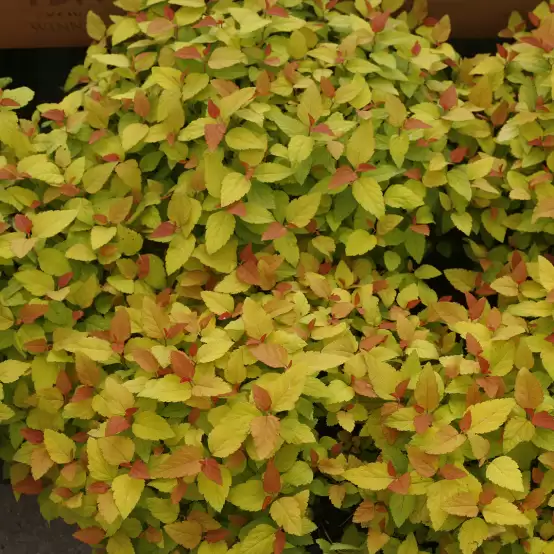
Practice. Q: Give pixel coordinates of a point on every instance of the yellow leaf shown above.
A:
(286, 389)
(257, 322)
(185, 533)
(167, 389)
(107, 508)
(528, 390)
(151, 426)
(50, 223)
(505, 286)
(361, 145)
(337, 494)
(302, 210)
(248, 496)
(376, 540)
(12, 370)
(373, 477)
(463, 504)
(228, 436)
(472, 535)
(98, 468)
(504, 472)
(286, 513)
(184, 462)
(126, 492)
(117, 450)
(501, 512)
(427, 391)
(210, 385)
(154, 320)
(259, 540)
(490, 415)
(215, 494)
(546, 274)
(133, 134)
(265, 432)
(95, 26)
(61, 449)
(40, 462)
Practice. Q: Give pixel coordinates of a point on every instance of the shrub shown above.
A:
(218, 329)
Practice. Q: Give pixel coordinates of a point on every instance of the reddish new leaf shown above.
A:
(165, 229)
(211, 469)
(274, 231)
(188, 53)
(213, 110)
(90, 535)
(182, 365)
(120, 326)
(449, 98)
(344, 175)
(401, 485)
(452, 472)
(214, 133)
(31, 312)
(28, 486)
(146, 360)
(178, 492)
(543, 420)
(412, 123)
(23, 223)
(271, 479)
(379, 21)
(115, 425)
(261, 398)
(139, 470)
(280, 541)
(34, 436)
(271, 354)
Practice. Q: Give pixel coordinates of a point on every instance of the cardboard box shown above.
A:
(61, 23)
(48, 23)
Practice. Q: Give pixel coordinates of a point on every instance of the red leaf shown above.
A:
(54, 115)
(213, 110)
(188, 53)
(63, 492)
(165, 229)
(327, 87)
(416, 49)
(248, 273)
(458, 154)
(261, 398)
(274, 231)
(113, 157)
(178, 492)
(63, 383)
(465, 422)
(211, 469)
(401, 485)
(277, 11)
(208, 21)
(34, 436)
(500, 114)
(401, 389)
(421, 229)
(28, 486)
(146, 360)
(452, 472)
(9, 103)
(449, 98)
(115, 425)
(182, 365)
(216, 535)
(280, 541)
(120, 326)
(543, 420)
(31, 312)
(64, 279)
(23, 223)
(82, 393)
(98, 488)
(422, 422)
(214, 133)
(412, 123)
(472, 345)
(379, 22)
(238, 209)
(139, 470)
(272, 478)
(368, 343)
(90, 535)
(97, 135)
(344, 175)
(323, 129)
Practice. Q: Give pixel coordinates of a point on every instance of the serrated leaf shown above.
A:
(126, 492)
(504, 472)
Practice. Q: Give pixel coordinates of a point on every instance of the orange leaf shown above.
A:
(424, 464)
(90, 535)
(271, 354)
(528, 390)
(120, 327)
(182, 365)
(272, 478)
(401, 485)
(261, 398)
(211, 469)
(452, 472)
(265, 433)
(449, 98)
(146, 360)
(364, 513)
(214, 133)
(139, 470)
(280, 541)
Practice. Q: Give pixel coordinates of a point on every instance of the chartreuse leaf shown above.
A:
(60, 448)
(504, 472)
(126, 492)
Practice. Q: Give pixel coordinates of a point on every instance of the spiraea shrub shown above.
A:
(277, 276)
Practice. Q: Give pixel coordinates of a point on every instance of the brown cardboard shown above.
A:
(47, 23)
(479, 18)
(59, 23)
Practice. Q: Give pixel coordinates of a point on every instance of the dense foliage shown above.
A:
(276, 276)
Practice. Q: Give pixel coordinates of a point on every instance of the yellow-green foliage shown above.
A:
(229, 320)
